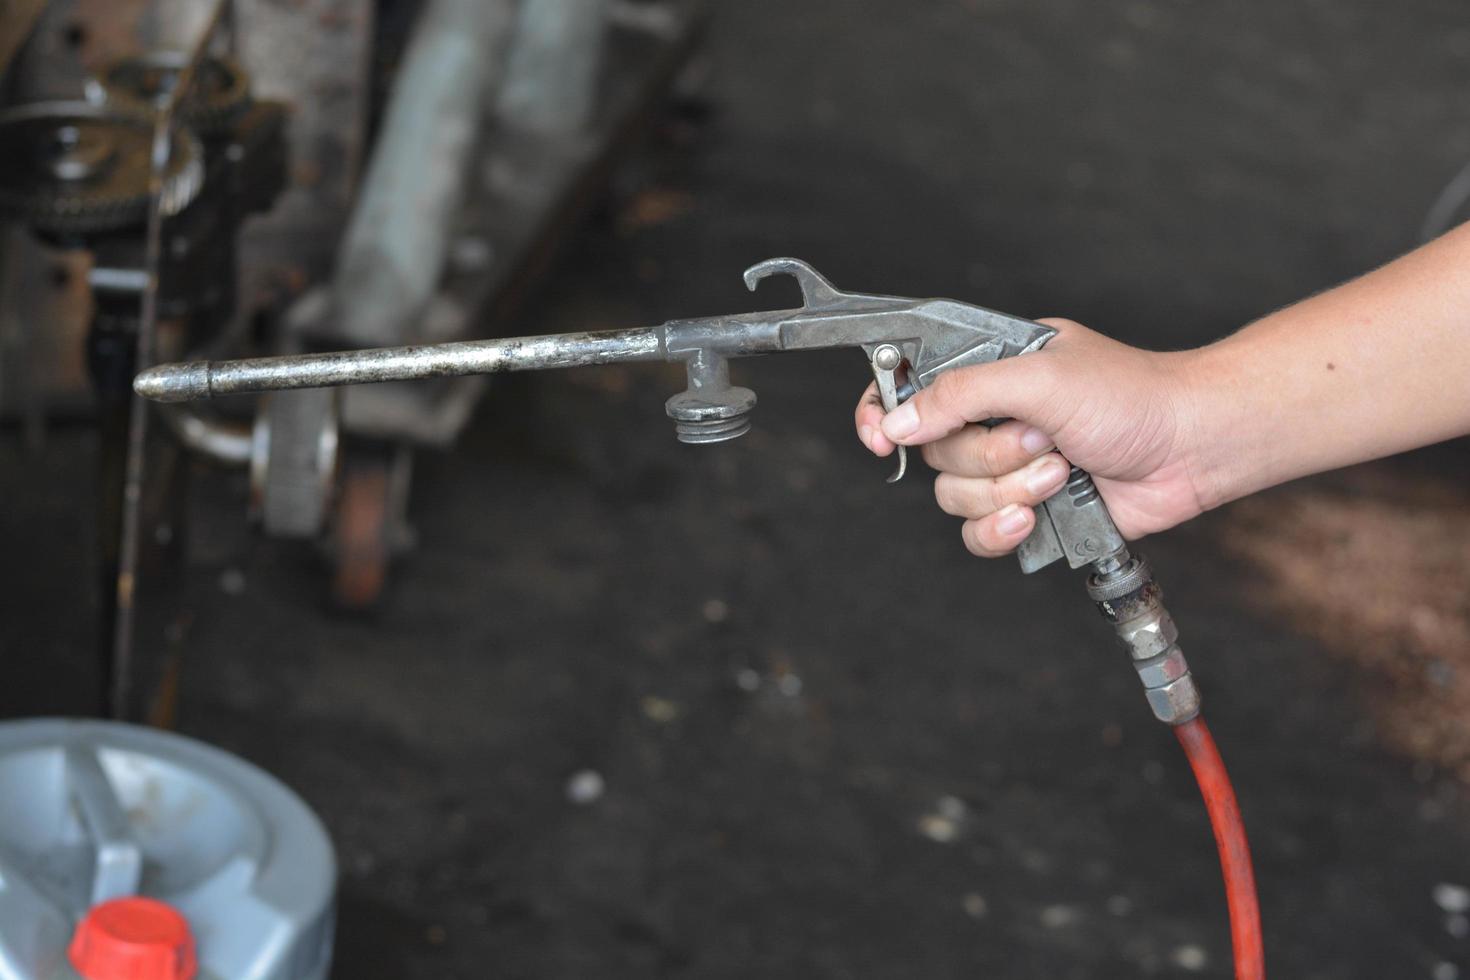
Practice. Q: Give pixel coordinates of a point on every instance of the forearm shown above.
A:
(1371, 368)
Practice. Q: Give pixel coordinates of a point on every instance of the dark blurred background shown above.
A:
(631, 708)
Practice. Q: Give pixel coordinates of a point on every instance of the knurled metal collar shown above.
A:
(1130, 578)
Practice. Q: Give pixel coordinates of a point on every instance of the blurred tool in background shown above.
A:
(181, 179)
(498, 129)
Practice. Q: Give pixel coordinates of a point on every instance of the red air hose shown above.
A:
(1235, 853)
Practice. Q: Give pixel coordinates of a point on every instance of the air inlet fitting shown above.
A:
(1132, 602)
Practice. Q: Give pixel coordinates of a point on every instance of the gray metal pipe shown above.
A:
(203, 379)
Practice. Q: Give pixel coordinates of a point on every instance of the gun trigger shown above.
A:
(885, 361)
(903, 465)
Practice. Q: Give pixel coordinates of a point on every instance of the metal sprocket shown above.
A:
(74, 169)
(139, 84)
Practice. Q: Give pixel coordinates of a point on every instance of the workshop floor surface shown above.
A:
(829, 743)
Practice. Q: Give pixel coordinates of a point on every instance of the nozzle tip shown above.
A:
(174, 382)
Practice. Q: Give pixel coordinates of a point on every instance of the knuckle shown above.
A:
(988, 497)
(947, 393)
(991, 454)
(944, 494)
(964, 496)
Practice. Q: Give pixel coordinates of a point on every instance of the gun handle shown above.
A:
(1074, 524)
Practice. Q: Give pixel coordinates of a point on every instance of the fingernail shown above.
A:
(902, 421)
(1010, 519)
(866, 435)
(1045, 475)
(1035, 442)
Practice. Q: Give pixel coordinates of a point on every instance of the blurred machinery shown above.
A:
(495, 123)
(79, 178)
(500, 131)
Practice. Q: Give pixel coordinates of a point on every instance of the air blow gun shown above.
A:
(907, 344)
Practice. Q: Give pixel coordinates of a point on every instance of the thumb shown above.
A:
(1023, 387)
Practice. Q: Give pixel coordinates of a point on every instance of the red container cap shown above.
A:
(133, 939)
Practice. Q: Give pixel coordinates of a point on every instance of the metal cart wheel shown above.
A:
(369, 523)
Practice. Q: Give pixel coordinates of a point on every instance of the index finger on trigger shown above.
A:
(868, 419)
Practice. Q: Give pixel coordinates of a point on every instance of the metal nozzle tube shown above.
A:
(204, 379)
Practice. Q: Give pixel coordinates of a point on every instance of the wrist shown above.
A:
(1214, 439)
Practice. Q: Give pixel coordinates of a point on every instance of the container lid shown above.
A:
(133, 939)
(92, 811)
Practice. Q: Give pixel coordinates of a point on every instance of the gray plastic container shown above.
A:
(93, 810)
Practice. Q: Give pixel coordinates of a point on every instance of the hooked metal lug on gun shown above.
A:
(908, 343)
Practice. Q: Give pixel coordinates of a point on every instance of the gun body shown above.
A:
(908, 343)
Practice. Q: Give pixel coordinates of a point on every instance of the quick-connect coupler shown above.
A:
(1125, 592)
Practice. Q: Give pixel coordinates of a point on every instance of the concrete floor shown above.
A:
(780, 666)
